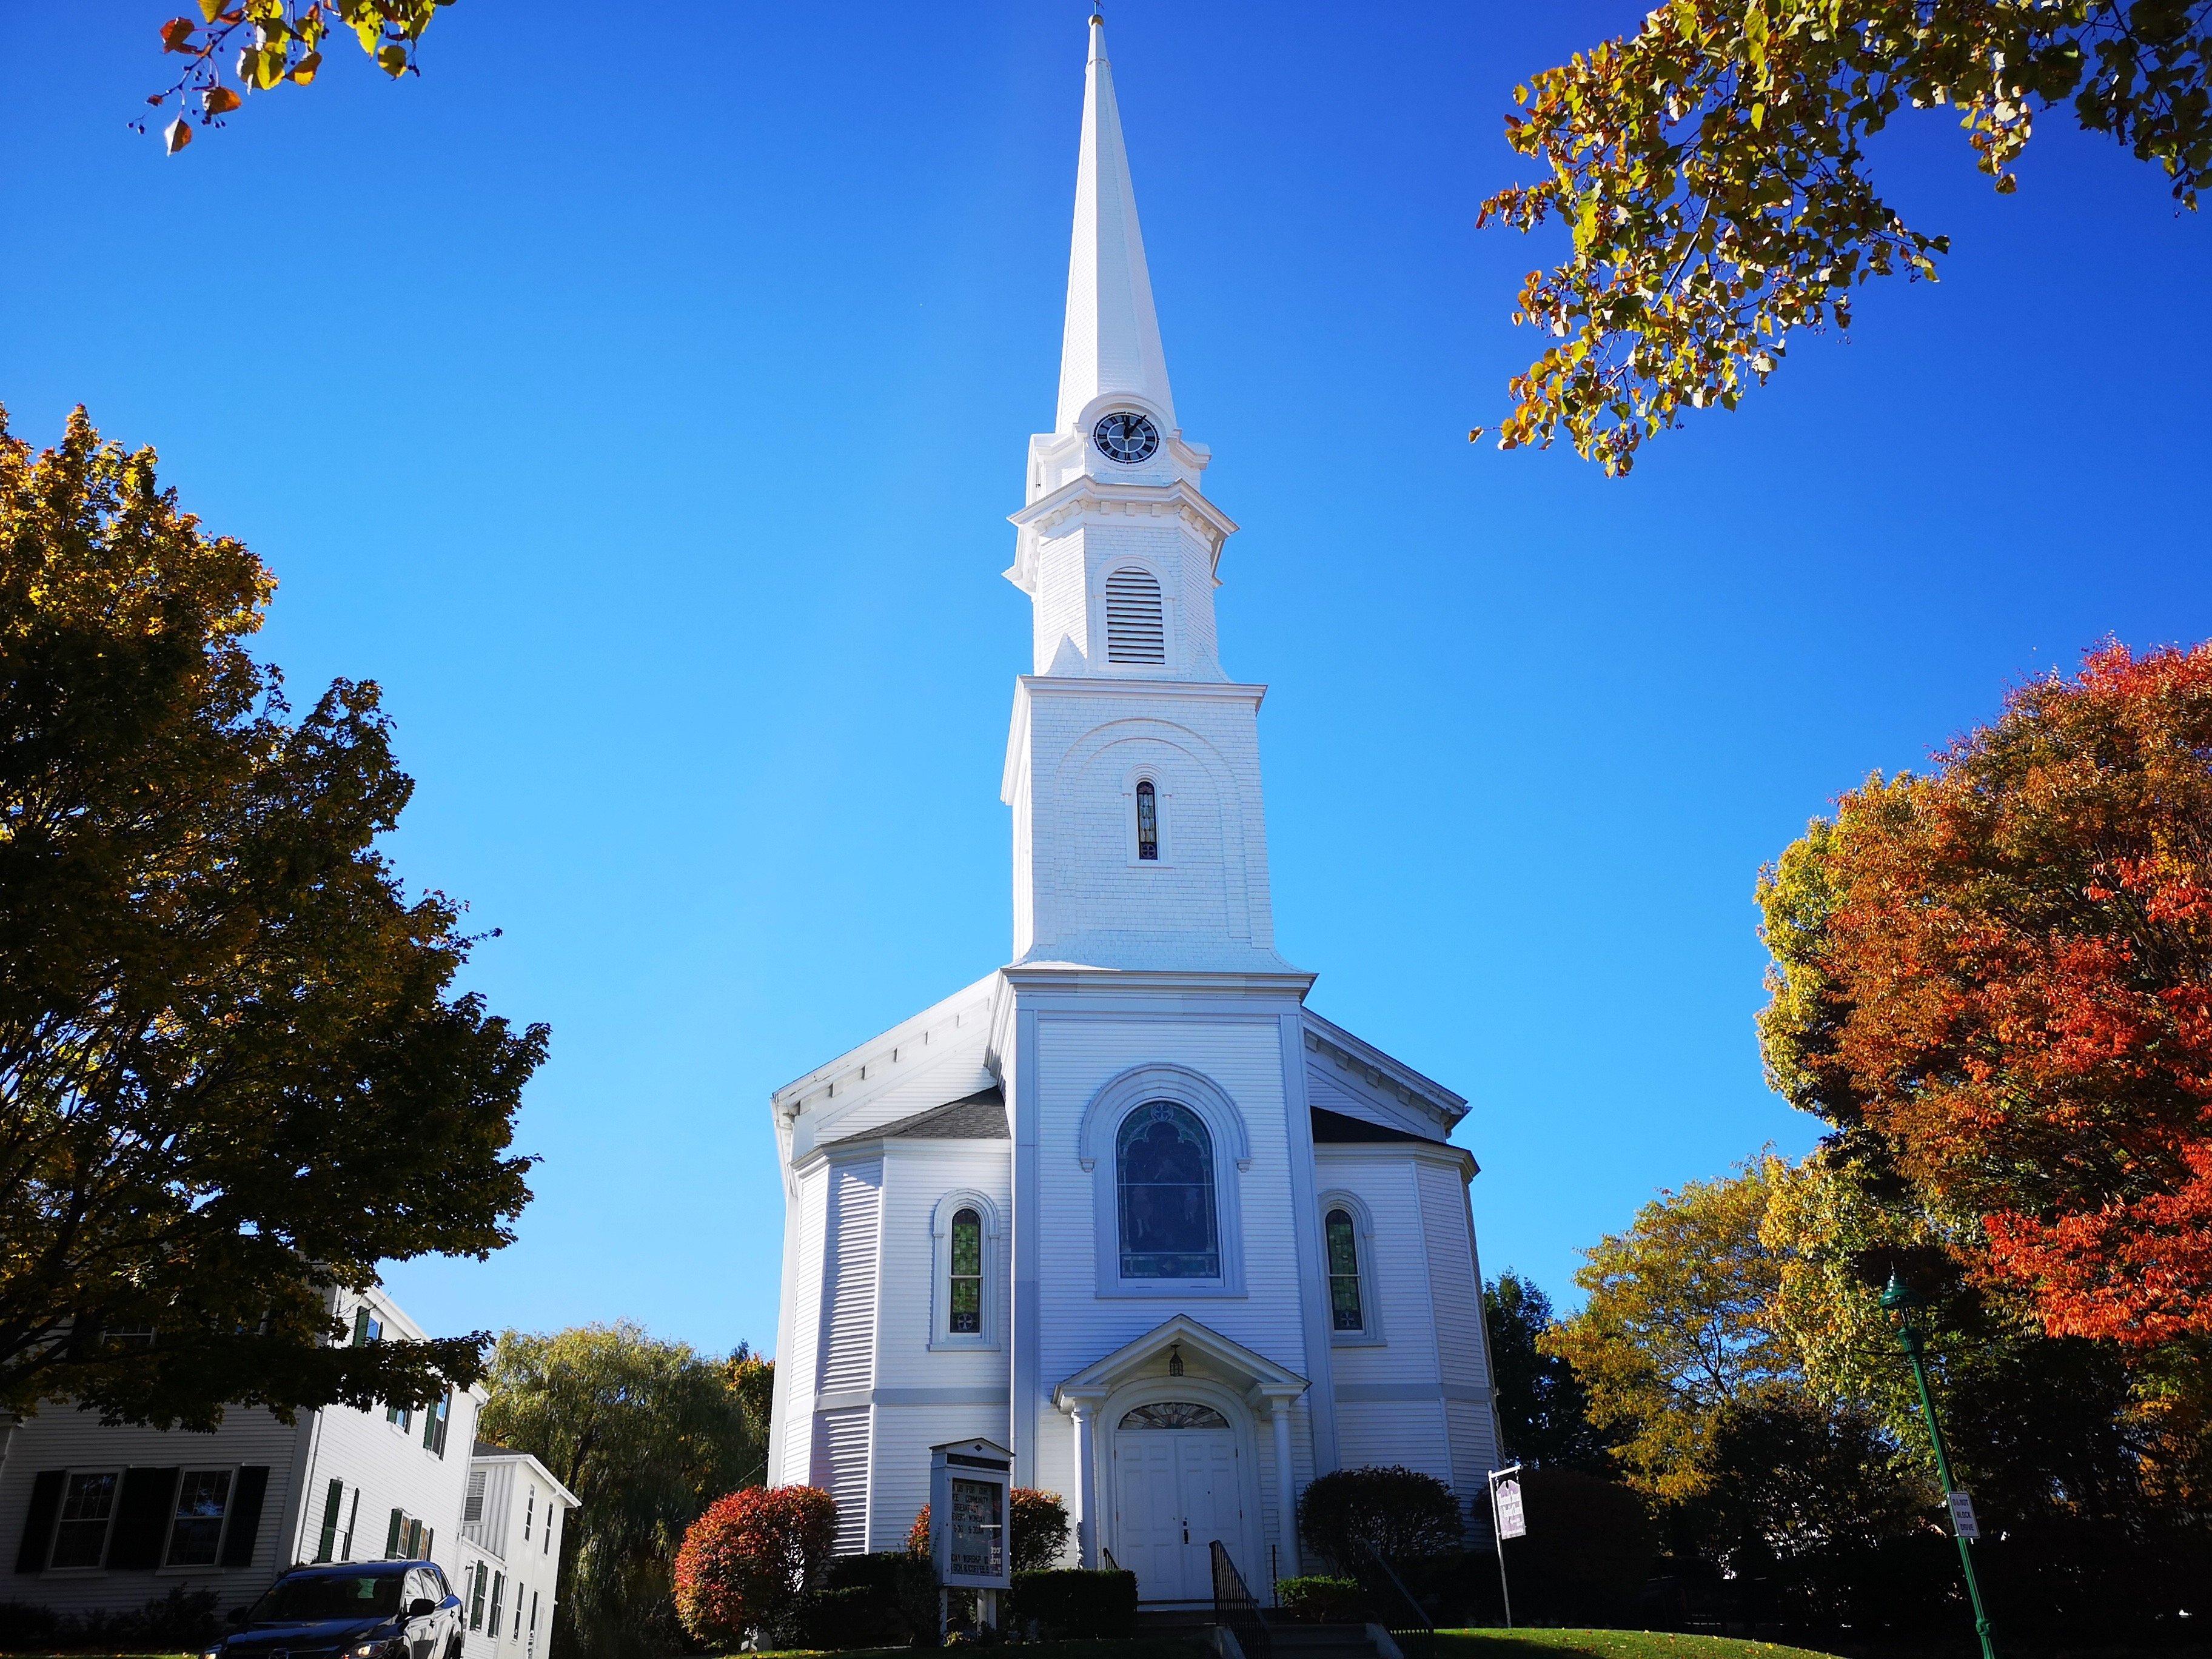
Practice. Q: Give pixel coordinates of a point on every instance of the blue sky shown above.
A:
(641, 409)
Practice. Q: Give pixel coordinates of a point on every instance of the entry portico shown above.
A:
(1180, 1408)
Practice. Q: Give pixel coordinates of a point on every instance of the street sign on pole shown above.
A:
(1506, 1521)
(1962, 1516)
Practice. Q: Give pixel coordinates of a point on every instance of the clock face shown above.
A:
(1125, 436)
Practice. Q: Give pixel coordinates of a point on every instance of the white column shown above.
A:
(1086, 1520)
(1286, 1494)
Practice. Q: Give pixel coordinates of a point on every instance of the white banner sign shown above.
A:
(1506, 1495)
(1962, 1516)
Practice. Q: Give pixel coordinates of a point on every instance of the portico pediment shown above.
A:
(1251, 1373)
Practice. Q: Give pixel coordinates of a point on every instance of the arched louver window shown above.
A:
(1148, 820)
(1163, 1166)
(1136, 630)
(1344, 1310)
(967, 1303)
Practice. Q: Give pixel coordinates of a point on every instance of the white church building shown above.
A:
(1127, 1206)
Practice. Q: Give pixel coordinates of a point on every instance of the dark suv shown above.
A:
(353, 1610)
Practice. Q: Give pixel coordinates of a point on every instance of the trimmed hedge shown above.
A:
(1074, 1603)
(1318, 1600)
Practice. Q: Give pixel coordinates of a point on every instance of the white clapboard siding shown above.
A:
(849, 1296)
(809, 1213)
(841, 1469)
(1451, 1276)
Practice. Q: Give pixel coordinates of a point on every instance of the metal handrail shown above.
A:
(1416, 1638)
(1107, 1556)
(1235, 1606)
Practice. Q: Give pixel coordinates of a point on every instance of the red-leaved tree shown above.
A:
(745, 1562)
(2004, 971)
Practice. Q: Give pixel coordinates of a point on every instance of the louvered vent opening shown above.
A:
(1134, 629)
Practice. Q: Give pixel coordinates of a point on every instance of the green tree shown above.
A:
(646, 1434)
(268, 44)
(233, 1074)
(1711, 171)
(1678, 1323)
(1543, 1410)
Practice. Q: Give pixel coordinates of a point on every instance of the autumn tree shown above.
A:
(1995, 981)
(1678, 1324)
(237, 47)
(646, 1434)
(747, 1562)
(233, 1073)
(1711, 171)
(1543, 1410)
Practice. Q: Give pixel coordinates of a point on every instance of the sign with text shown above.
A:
(1505, 1495)
(967, 1503)
(1962, 1516)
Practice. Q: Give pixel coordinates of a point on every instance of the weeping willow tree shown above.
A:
(646, 1434)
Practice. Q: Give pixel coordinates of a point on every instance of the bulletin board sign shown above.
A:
(969, 1481)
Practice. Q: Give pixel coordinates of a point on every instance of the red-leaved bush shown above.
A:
(745, 1562)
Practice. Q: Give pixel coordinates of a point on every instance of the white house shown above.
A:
(510, 1552)
(1126, 1206)
(95, 1517)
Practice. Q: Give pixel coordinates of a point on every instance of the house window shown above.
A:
(477, 1599)
(472, 1506)
(433, 1424)
(1148, 821)
(1163, 1169)
(406, 1540)
(403, 1416)
(365, 1328)
(1345, 1313)
(196, 1532)
(529, 1514)
(88, 1506)
(967, 1287)
(1136, 627)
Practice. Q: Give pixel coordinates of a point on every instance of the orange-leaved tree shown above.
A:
(2002, 972)
(747, 1560)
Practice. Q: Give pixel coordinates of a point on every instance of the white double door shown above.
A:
(1176, 1492)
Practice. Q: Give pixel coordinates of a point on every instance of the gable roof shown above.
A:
(979, 1116)
(1341, 1128)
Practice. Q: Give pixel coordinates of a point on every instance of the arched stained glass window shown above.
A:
(1148, 820)
(967, 1303)
(1163, 1167)
(1344, 1310)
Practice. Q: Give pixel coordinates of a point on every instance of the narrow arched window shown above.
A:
(1148, 820)
(1163, 1169)
(1136, 629)
(966, 1302)
(1344, 1310)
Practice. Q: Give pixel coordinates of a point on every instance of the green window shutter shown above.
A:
(430, 1542)
(143, 1515)
(39, 1525)
(392, 1538)
(475, 1599)
(244, 1528)
(333, 1505)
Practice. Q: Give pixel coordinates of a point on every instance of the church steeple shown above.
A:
(1112, 339)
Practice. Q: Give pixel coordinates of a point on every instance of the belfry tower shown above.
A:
(1133, 765)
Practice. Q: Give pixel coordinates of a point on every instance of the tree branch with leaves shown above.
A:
(1711, 169)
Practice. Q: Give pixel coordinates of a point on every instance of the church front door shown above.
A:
(1176, 1492)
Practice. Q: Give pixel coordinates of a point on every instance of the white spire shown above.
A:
(1112, 343)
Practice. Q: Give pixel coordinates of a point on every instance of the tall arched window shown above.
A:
(967, 1286)
(1163, 1169)
(1148, 820)
(1345, 1311)
(1136, 627)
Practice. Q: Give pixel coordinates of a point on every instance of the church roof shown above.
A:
(1341, 1128)
(979, 1116)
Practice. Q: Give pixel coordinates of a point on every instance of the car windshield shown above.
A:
(329, 1595)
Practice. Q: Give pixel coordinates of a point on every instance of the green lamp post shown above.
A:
(1903, 1305)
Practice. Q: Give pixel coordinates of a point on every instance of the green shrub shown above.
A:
(862, 1616)
(1397, 1513)
(1315, 1600)
(1074, 1604)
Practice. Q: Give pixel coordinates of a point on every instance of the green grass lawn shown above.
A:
(1135, 1647)
(1606, 1645)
